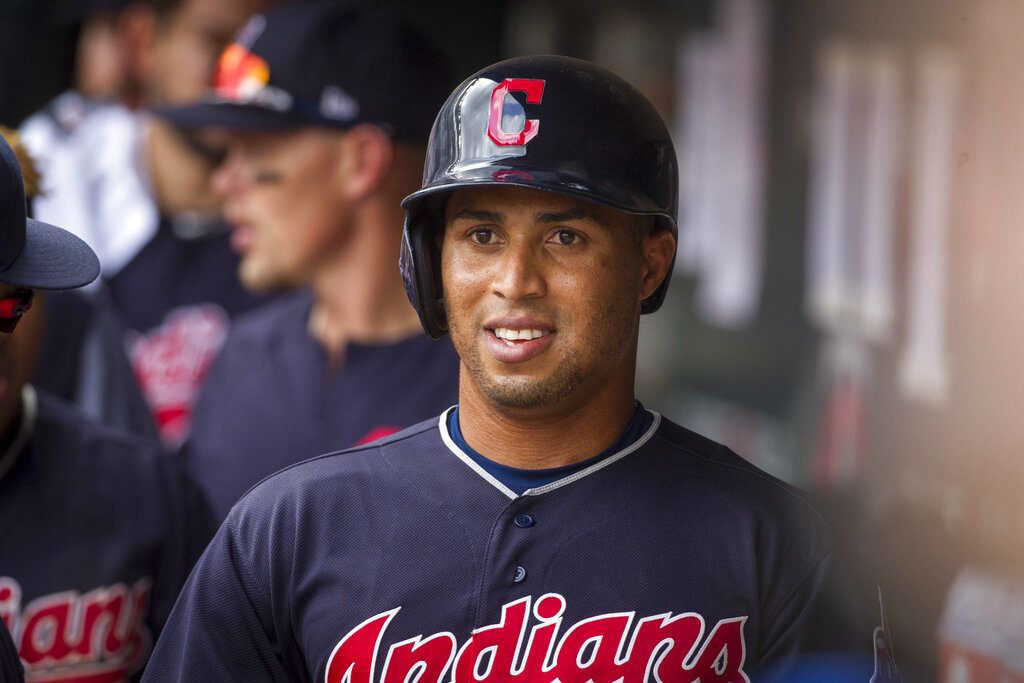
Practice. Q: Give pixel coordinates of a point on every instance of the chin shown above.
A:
(260, 280)
(525, 394)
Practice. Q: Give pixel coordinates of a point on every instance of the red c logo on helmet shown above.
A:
(534, 90)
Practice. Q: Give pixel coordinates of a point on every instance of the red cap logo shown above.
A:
(534, 90)
(240, 74)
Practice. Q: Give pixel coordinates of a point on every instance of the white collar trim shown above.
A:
(576, 476)
(29, 408)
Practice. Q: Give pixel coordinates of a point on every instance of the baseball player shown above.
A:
(548, 527)
(96, 526)
(324, 144)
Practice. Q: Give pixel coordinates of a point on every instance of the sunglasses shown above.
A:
(13, 307)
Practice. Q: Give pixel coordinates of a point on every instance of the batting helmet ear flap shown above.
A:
(654, 301)
(420, 263)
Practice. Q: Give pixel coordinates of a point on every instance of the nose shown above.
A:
(519, 273)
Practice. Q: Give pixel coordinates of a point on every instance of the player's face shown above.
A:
(18, 352)
(543, 295)
(280, 197)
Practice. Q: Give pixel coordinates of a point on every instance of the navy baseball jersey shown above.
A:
(177, 296)
(97, 376)
(671, 559)
(271, 400)
(98, 532)
(173, 303)
(11, 670)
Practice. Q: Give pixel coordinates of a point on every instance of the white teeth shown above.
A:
(510, 335)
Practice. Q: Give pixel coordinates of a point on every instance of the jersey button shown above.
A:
(520, 575)
(524, 521)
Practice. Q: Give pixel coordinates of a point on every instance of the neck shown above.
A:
(542, 438)
(359, 295)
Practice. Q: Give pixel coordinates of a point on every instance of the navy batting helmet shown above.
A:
(545, 122)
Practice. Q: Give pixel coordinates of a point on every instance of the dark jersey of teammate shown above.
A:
(85, 362)
(10, 664)
(176, 297)
(271, 400)
(174, 300)
(173, 272)
(672, 560)
(97, 536)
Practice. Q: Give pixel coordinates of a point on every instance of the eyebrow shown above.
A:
(573, 214)
(478, 215)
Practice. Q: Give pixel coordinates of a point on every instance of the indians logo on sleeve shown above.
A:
(171, 363)
(95, 637)
(601, 649)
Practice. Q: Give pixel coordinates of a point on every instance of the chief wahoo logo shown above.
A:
(240, 74)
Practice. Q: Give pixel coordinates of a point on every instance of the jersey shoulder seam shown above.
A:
(751, 470)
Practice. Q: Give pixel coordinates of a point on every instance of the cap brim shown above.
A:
(230, 115)
(53, 258)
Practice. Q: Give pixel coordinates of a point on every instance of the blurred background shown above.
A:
(843, 311)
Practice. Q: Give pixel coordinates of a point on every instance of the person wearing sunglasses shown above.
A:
(33, 255)
(97, 527)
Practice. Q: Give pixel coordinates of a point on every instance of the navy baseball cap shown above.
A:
(34, 254)
(323, 63)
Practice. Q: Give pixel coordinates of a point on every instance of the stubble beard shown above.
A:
(260, 278)
(526, 392)
(568, 376)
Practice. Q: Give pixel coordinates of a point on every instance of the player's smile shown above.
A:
(518, 339)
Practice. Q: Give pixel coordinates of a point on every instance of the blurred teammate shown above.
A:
(324, 143)
(97, 528)
(137, 190)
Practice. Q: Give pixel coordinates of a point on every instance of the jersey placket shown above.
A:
(508, 572)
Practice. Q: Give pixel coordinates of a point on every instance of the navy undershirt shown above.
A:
(520, 480)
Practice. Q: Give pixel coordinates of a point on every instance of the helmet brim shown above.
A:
(547, 181)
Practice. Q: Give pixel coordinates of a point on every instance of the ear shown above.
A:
(366, 156)
(658, 250)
